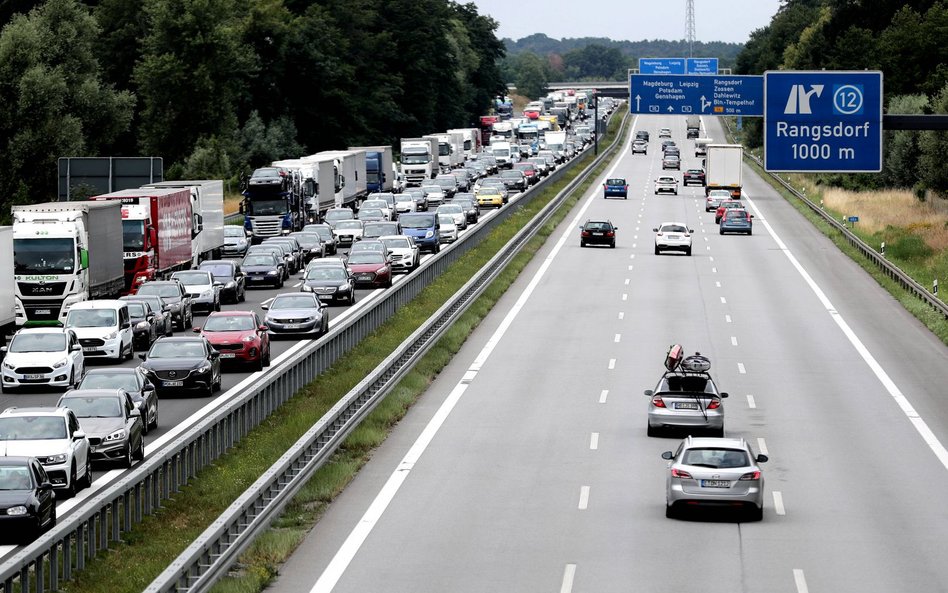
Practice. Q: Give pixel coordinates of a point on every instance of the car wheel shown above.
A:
(612, 245)
(720, 231)
(582, 243)
(131, 351)
(258, 364)
(73, 482)
(217, 305)
(190, 321)
(756, 514)
(652, 431)
(129, 457)
(216, 385)
(750, 233)
(140, 451)
(87, 478)
(154, 419)
(688, 252)
(657, 250)
(242, 297)
(266, 357)
(209, 392)
(280, 283)
(670, 511)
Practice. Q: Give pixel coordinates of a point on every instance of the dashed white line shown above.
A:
(612, 363)
(628, 281)
(723, 301)
(618, 338)
(751, 402)
(778, 503)
(727, 318)
(740, 368)
(584, 498)
(594, 441)
(625, 296)
(634, 246)
(621, 315)
(630, 267)
(632, 255)
(733, 340)
(710, 259)
(568, 575)
(714, 270)
(717, 285)
(603, 395)
(798, 579)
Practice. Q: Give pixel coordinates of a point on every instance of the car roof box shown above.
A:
(696, 363)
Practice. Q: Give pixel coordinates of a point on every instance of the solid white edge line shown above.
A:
(800, 581)
(569, 573)
(778, 503)
(583, 498)
(344, 556)
(903, 402)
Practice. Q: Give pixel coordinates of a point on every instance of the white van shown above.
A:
(103, 328)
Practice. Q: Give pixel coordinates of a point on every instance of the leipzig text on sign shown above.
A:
(662, 65)
(696, 95)
(823, 121)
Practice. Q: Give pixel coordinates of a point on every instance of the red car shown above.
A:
(530, 171)
(239, 336)
(726, 205)
(371, 268)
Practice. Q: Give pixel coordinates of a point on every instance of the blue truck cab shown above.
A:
(615, 188)
(423, 227)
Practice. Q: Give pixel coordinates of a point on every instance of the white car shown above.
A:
(673, 236)
(205, 292)
(103, 327)
(52, 436)
(457, 212)
(382, 205)
(447, 227)
(434, 194)
(666, 185)
(405, 254)
(665, 133)
(348, 231)
(45, 356)
(405, 203)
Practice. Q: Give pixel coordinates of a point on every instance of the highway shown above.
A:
(526, 466)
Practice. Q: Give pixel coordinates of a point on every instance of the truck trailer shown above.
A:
(352, 170)
(64, 253)
(207, 210)
(723, 168)
(378, 168)
(157, 232)
(471, 138)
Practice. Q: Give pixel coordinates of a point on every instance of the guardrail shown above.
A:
(63, 551)
(209, 557)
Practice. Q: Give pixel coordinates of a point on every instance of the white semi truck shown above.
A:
(419, 159)
(352, 169)
(471, 138)
(64, 253)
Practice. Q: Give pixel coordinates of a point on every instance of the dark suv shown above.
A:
(174, 294)
(598, 232)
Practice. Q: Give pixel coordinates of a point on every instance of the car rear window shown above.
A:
(616, 181)
(716, 458)
(687, 384)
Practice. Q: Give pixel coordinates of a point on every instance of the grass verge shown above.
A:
(153, 544)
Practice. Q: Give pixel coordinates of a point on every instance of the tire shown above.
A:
(140, 452)
(258, 365)
(129, 458)
(217, 305)
(87, 479)
(749, 233)
(756, 514)
(612, 245)
(154, 422)
(652, 431)
(670, 511)
(73, 481)
(352, 297)
(72, 380)
(216, 385)
(721, 231)
(242, 296)
(209, 392)
(169, 329)
(658, 251)
(131, 350)
(266, 358)
(688, 252)
(582, 243)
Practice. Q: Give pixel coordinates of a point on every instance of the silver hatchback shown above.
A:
(686, 398)
(714, 472)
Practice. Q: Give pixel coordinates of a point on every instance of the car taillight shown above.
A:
(714, 405)
(610, 234)
(658, 402)
(585, 233)
(677, 473)
(750, 477)
(626, 188)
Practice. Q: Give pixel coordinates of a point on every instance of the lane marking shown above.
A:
(727, 318)
(584, 498)
(618, 338)
(625, 297)
(603, 395)
(710, 259)
(740, 368)
(778, 503)
(751, 402)
(723, 301)
(762, 445)
(800, 581)
(733, 340)
(717, 284)
(714, 270)
(594, 441)
(621, 315)
(612, 363)
(627, 281)
(569, 573)
(630, 267)
(903, 402)
(345, 554)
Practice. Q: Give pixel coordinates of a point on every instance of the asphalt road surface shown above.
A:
(526, 466)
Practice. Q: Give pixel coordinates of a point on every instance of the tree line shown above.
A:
(217, 86)
(904, 39)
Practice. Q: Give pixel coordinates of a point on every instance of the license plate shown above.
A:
(88, 349)
(365, 276)
(673, 237)
(228, 355)
(32, 376)
(292, 326)
(686, 406)
(597, 234)
(715, 483)
(42, 311)
(173, 383)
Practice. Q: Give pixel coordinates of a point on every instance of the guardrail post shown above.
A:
(935, 287)
(882, 249)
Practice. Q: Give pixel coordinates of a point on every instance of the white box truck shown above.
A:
(471, 140)
(419, 159)
(723, 168)
(352, 171)
(64, 253)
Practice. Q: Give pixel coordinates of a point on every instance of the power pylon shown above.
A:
(690, 26)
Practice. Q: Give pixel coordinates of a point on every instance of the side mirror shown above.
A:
(655, 230)
(649, 392)
(691, 230)
(135, 413)
(46, 486)
(264, 307)
(219, 284)
(668, 455)
(215, 354)
(142, 356)
(78, 435)
(148, 387)
(3, 349)
(762, 458)
(75, 348)
(262, 328)
(126, 325)
(196, 330)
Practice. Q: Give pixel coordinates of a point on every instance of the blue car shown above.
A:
(737, 220)
(423, 227)
(615, 188)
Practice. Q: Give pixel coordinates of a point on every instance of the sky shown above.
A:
(729, 20)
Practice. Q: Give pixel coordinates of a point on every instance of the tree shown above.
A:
(52, 99)
(594, 62)
(933, 146)
(901, 146)
(531, 75)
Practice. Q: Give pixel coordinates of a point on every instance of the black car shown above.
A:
(514, 180)
(693, 176)
(325, 235)
(173, 293)
(311, 245)
(161, 309)
(144, 324)
(293, 247)
(111, 421)
(329, 284)
(642, 134)
(227, 272)
(134, 382)
(27, 501)
(183, 364)
(469, 203)
(263, 269)
(598, 232)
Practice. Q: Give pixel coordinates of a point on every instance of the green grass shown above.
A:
(904, 248)
(153, 544)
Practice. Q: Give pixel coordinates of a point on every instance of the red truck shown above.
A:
(487, 127)
(157, 229)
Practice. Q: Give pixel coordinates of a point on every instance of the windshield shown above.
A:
(450, 209)
(502, 152)
(326, 273)
(162, 290)
(404, 198)
(229, 323)
(90, 318)
(444, 149)
(222, 271)
(338, 215)
(350, 224)
(673, 228)
(368, 246)
(366, 257)
(324, 234)
(416, 221)
(375, 204)
(306, 240)
(15, 477)
(133, 235)
(396, 243)
(259, 260)
(177, 349)
(446, 219)
(266, 207)
(372, 177)
(29, 428)
(44, 256)
(136, 310)
(126, 381)
(38, 343)
(370, 212)
(447, 183)
(293, 301)
(414, 159)
(191, 277)
(93, 407)
(235, 231)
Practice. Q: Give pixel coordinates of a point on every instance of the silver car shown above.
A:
(714, 472)
(686, 399)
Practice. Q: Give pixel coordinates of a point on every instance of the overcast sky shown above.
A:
(636, 20)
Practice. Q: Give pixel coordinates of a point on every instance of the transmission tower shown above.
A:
(690, 26)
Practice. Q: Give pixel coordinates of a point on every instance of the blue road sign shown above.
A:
(697, 95)
(662, 65)
(853, 219)
(823, 121)
(701, 66)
